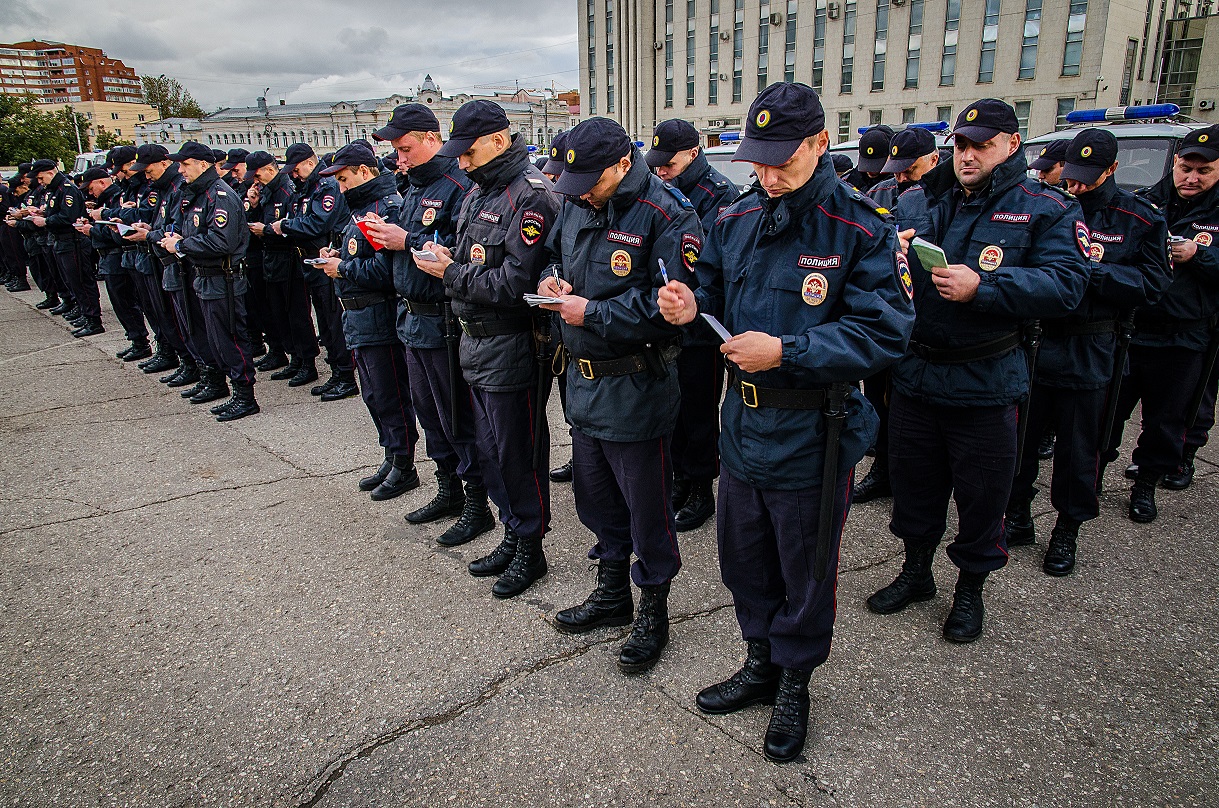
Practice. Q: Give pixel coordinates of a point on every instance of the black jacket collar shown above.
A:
(379, 187)
(694, 173)
(424, 175)
(503, 169)
(1099, 199)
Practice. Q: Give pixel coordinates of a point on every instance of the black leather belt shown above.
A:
(779, 398)
(357, 302)
(426, 309)
(208, 272)
(1059, 328)
(496, 328)
(625, 366)
(974, 353)
(1167, 328)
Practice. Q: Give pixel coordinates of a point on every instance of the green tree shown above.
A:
(27, 133)
(107, 140)
(170, 98)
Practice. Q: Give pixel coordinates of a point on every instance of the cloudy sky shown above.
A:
(316, 50)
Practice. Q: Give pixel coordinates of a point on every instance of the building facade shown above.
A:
(54, 72)
(872, 61)
(119, 118)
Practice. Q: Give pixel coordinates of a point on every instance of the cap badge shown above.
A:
(478, 255)
(814, 289)
(870, 150)
(990, 258)
(451, 124)
(1203, 138)
(893, 151)
(969, 116)
(554, 153)
(1043, 151)
(571, 156)
(763, 119)
(656, 140)
(1086, 151)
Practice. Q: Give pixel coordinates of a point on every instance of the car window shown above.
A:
(740, 173)
(1142, 161)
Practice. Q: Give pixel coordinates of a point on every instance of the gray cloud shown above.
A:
(314, 50)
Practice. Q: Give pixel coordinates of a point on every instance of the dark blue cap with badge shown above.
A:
(295, 154)
(1052, 154)
(408, 118)
(120, 156)
(1201, 143)
(982, 120)
(556, 161)
(780, 118)
(591, 147)
(874, 149)
(236, 157)
(39, 166)
(669, 138)
(219, 156)
(472, 120)
(356, 153)
(258, 159)
(1088, 155)
(842, 163)
(95, 173)
(906, 147)
(190, 150)
(148, 154)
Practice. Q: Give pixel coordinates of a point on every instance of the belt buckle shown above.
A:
(748, 392)
(586, 368)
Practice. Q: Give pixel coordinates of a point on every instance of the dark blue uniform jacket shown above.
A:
(280, 253)
(318, 212)
(215, 234)
(907, 202)
(365, 284)
(65, 204)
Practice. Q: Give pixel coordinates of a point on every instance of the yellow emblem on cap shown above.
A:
(763, 119)
(990, 258)
(554, 153)
(451, 126)
(571, 156)
(656, 140)
(1043, 151)
(893, 151)
(1203, 138)
(969, 116)
(620, 263)
(870, 150)
(1086, 151)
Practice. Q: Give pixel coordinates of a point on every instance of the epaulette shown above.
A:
(679, 196)
(867, 202)
(1045, 186)
(536, 182)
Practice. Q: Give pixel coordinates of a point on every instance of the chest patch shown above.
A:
(352, 246)
(1211, 227)
(532, 225)
(819, 261)
(815, 289)
(1083, 238)
(620, 263)
(1012, 218)
(990, 258)
(478, 254)
(629, 239)
(429, 215)
(1097, 251)
(1204, 239)
(903, 276)
(489, 216)
(1108, 238)
(328, 203)
(432, 203)
(195, 220)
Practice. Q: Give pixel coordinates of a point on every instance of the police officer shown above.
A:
(1172, 336)
(25, 193)
(435, 189)
(843, 165)
(212, 239)
(1050, 161)
(319, 212)
(499, 254)
(130, 185)
(263, 339)
(12, 246)
(806, 276)
(873, 154)
(912, 153)
(677, 158)
(1076, 361)
(64, 205)
(619, 227)
(553, 169)
(1016, 250)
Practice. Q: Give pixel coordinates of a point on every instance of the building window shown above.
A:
(1072, 54)
(990, 34)
(952, 25)
(1023, 111)
(141, 117)
(713, 51)
(908, 115)
(1151, 6)
(819, 12)
(591, 7)
(738, 50)
(914, 45)
(114, 116)
(763, 44)
(1065, 107)
(1028, 46)
(848, 47)
(881, 45)
(690, 53)
(668, 53)
(873, 117)
(844, 127)
(943, 114)
(789, 48)
(1132, 49)
(609, 98)
(609, 59)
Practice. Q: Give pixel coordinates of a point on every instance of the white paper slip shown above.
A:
(929, 255)
(717, 327)
(537, 300)
(425, 255)
(122, 228)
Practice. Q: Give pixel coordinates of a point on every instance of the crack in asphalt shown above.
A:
(143, 394)
(38, 351)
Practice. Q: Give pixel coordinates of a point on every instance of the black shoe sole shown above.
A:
(608, 622)
(961, 639)
(1057, 573)
(636, 668)
(747, 703)
(450, 543)
(686, 527)
(917, 599)
(510, 595)
(445, 514)
(393, 494)
(782, 759)
(1142, 519)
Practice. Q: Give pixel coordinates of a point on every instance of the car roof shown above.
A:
(1123, 130)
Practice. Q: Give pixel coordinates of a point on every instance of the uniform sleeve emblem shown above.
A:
(904, 277)
(815, 289)
(532, 225)
(152, 200)
(221, 218)
(328, 202)
(1083, 239)
(68, 201)
(691, 247)
(429, 216)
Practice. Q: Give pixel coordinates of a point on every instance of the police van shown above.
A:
(86, 161)
(1146, 135)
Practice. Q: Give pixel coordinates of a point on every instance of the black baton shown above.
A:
(835, 415)
(1032, 336)
(451, 340)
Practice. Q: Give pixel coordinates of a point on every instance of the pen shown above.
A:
(663, 273)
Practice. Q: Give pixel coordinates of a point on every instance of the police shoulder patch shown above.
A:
(328, 202)
(221, 218)
(691, 247)
(1083, 238)
(532, 226)
(678, 195)
(904, 277)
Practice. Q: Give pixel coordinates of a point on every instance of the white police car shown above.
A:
(720, 158)
(1146, 139)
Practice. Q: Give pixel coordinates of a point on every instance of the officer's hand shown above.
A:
(138, 234)
(327, 252)
(677, 303)
(389, 236)
(571, 309)
(554, 287)
(84, 228)
(257, 228)
(128, 204)
(39, 221)
(956, 282)
(275, 226)
(1183, 251)
(753, 351)
(95, 214)
(331, 267)
(170, 242)
(443, 259)
(904, 237)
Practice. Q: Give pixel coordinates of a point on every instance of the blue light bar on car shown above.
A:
(1123, 113)
(639, 144)
(729, 137)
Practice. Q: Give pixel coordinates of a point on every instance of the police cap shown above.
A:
(95, 173)
(148, 154)
(556, 160)
(670, 138)
(1052, 154)
(408, 118)
(472, 120)
(356, 153)
(192, 150)
(982, 120)
(297, 153)
(258, 159)
(874, 149)
(40, 166)
(218, 156)
(780, 118)
(1202, 143)
(389, 163)
(907, 146)
(121, 156)
(236, 158)
(591, 147)
(842, 163)
(1088, 155)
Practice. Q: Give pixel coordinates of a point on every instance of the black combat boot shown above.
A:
(188, 373)
(305, 374)
(476, 518)
(448, 501)
(1184, 475)
(272, 360)
(1143, 498)
(376, 478)
(242, 403)
(72, 313)
(137, 351)
(1045, 449)
(561, 474)
(914, 583)
(610, 604)
(755, 683)
(1060, 554)
(1132, 471)
(964, 623)
(216, 386)
(318, 389)
(164, 359)
(258, 349)
(191, 392)
(402, 477)
(90, 327)
(1018, 524)
(528, 565)
(495, 562)
(681, 492)
(287, 371)
(345, 387)
(874, 485)
(20, 283)
(64, 305)
(650, 633)
(49, 302)
(699, 507)
(788, 726)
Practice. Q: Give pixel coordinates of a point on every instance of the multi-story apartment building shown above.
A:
(57, 73)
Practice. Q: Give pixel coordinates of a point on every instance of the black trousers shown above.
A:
(78, 279)
(966, 453)
(45, 276)
(189, 317)
(504, 430)
(1163, 379)
(120, 288)
(623, 494)
(227, 339)
(452, 446)
(696, 437)
(385, 387)
(158, 307)
(876, 390)
(1198, 434)
(288, 309)
(767, 544)
(257, 315)
(1075, 416)
(330, 325)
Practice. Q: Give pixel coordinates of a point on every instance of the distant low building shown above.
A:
(168, 131)
(120, 119)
